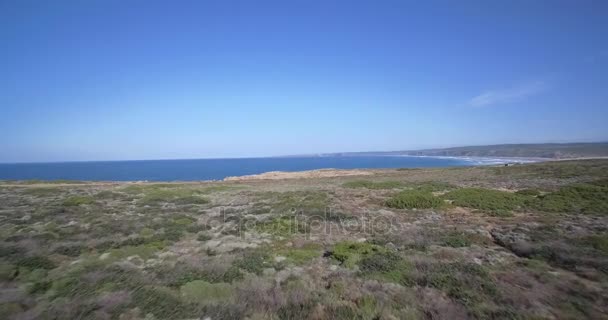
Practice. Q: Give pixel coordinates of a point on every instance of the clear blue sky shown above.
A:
(126, 79)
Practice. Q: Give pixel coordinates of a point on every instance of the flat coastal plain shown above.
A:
(524, 241)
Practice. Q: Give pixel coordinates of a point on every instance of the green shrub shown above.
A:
(528, 192)
(205, 292)
(36, 262)
(373, 185)
(73, 250)
(296, 311)
(283, 226)
(254, 261)
(43, 191)
(486, 199)
(8, 272)
(349, 253)
(410, 199)
(162, 303)
(468, 283)
(579, 198)
(39, 287)
(301, 255)
(459, 239)
(433, 186)
(78, 200)
(106, 194)
(203, 237)
(386, 265)
(156, 194)
(597, 242)
(307, 202)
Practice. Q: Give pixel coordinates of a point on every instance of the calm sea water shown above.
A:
(211, 169)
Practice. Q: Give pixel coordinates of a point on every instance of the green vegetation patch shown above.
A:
(433, 186)
(165, 192)
(78, 200)
(163, 303)
(306, 202)
(110, 195)
(486, 199)
(349, 253)
(43, 191)
(282, 226)
(301, 255)
(597, 242)
(189, 274)
(206, 293)
(583, 198)
(366, 184)
(36, 262)
(529, 192)
(145, 251)
(254, 261)
(468, 283)
(411, 199)
(458, 239)
(556, 169)
(386, 266)
(177, 196)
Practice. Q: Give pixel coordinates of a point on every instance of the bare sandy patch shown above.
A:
(280, 175)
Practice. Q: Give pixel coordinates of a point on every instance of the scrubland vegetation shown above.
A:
(520, 242)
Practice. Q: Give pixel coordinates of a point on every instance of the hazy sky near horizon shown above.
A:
(115, 79)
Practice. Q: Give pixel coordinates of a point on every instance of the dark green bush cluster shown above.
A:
(433, 186)
(36, 262)
(486, 199)
(410, 199)
(283, 226)
(254, 261)
(528, 192)
(230, 275)
(162, 303)
(587, 198)
(597, 242)
(349, 253)
(467, 283)
(73, 250)
(78, 200)
(373, 185)
(386, 265)
(462, 239)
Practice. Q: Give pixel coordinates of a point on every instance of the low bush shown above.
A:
(208, 293)
(579, 198)
(73, 250)
(468, 283)
(163, 303)
(78, 200)
(349, 253)
(36, 262)
(373, 185)
(300, 255)
(254, 261)
(463, 239)
(414, 199)
(597, 242)
(528, 192)
(43, 191)
(433, 186)
(387, 266)
(486, 199)
(283, 226)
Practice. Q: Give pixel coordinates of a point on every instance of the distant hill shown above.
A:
(544, 150)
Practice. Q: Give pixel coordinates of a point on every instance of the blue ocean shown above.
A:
(215, 169)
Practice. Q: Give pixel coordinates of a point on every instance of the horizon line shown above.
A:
(319, 154)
